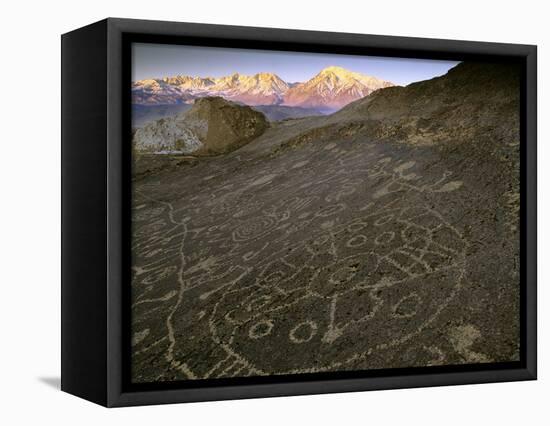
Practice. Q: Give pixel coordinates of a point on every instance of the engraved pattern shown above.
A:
(256, 268)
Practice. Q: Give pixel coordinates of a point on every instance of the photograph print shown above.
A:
(296, 213)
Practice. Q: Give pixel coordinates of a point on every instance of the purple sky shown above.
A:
(161, 60)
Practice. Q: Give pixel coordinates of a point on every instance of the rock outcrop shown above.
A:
(212, 126)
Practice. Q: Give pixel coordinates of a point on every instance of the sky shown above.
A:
(163, 60)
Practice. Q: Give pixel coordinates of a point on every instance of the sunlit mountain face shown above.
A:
(333, 88)
(329, 90)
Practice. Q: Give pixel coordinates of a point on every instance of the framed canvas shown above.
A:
(253, 212)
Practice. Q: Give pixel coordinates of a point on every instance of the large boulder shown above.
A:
(212, 126)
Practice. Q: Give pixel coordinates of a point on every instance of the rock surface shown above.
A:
(472, 100)
(212, 126)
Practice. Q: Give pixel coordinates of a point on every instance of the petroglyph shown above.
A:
(255, 268)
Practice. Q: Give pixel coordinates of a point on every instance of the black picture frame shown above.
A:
(96, 223)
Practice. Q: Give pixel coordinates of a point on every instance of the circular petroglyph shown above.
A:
(356, 227)
(357, 241)
(258, 303)
(303, 332)
(384, 238)
(254, 228)
(261, 329)
(342, 274)
(383, 220)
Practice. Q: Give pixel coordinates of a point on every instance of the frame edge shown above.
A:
(83, 219)
(117, 397)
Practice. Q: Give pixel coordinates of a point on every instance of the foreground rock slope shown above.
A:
(383, 236)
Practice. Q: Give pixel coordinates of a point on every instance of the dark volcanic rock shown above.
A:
(472, 100)
(383, 236)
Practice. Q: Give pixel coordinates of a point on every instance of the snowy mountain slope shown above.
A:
(330, 89)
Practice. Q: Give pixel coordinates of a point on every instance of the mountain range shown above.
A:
(331, 89)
